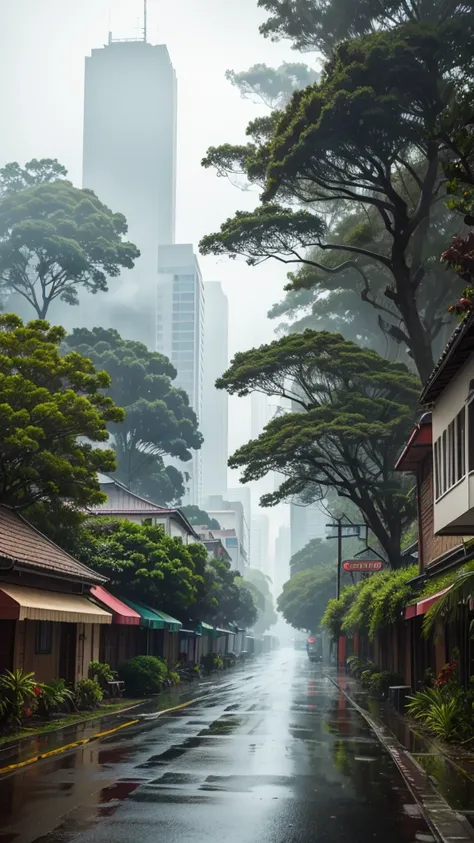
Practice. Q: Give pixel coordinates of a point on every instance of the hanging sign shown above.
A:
(363, 565)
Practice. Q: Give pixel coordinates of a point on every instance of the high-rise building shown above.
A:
(214, 425)
(260, 545)
(179, 332)
(129, 160)
(282, 558)
(243, 495)
(306, 523)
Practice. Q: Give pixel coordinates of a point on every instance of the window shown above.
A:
(147, 522)
(470, 433)
(461, 442)
(44, 637)
(449, 454)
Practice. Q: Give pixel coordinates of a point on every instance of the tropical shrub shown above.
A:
(143, 675)
(88, 694)
(53, 697)
(18, 690)
(212, 663)
(380, 683)
(174, 677)
(102, 673)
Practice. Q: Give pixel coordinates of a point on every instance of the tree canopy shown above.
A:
(141, 561)
(305, 596)
(56, 238)
(321, 24)
(272, 86)
(52, 411)
(372, 134)
(316, 553)
(355, 416)
(199, 518)
(158, 422)
(259, 586)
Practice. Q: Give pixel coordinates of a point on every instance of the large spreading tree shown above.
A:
(352, 415)
(55, 238)
(305, 596)
(53, 411)
(158, 422)
(371, 136)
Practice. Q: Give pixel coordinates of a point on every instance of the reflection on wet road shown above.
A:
(277, 755)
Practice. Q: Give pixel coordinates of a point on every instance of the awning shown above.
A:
(206, 627)
(172, 625)
(225, 631)
(423, 606)
(190, 632)
(152, 618)
(121, 614)
(148, 617)
(21, 603)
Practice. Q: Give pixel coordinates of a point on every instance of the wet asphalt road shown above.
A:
(275, 755)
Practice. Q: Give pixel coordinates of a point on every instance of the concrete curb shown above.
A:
(447, 825)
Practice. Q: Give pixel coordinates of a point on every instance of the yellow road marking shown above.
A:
(76, 744)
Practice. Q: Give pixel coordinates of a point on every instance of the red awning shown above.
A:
(121, 613)
(424, 606)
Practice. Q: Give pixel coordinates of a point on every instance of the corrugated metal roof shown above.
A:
(23, 544)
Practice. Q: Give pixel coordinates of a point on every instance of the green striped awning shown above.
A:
(172, 625)
(152, 618)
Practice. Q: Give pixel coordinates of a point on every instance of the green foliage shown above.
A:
(315, 553)
(380, 683)
(306, 595)
(450, 605)
(88, 694)
(143, 675)
(321, 24)
(158, 418)
(351, 143)
(101, 673)
(199, 518)
(357, 416)
(379, 601)
(336, 611)
(272, 86)
(17, 690)
(443, 714)
(174, 677)
(212, 663)
(259, 586)
(52, 411)
(140, 561)
(56, 238)
(53, 697)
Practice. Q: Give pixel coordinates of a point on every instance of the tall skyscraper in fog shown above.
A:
(215, 424)
(130, 162)
(178, 309)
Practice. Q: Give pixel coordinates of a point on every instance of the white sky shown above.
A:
(42, 48)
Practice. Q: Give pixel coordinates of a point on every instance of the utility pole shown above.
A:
(145, 20)
(345, 529)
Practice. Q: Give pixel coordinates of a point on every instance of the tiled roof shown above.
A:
(23, 544)
(457, 351)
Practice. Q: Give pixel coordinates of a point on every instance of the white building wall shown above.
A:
(215, 424)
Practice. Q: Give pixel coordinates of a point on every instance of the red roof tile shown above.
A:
(22, 543)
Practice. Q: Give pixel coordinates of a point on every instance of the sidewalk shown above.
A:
(428, 766)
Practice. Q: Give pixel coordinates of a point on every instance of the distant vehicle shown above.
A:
(299, 643)
(314, 648)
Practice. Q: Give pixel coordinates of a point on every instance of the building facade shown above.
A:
(129, 160)
(260, 545)
(179, 335)
(215, 421)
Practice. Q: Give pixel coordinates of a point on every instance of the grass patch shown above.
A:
(70, 720)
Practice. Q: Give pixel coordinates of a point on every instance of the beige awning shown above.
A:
(21, 603)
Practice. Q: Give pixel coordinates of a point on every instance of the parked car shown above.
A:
(314, 648)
